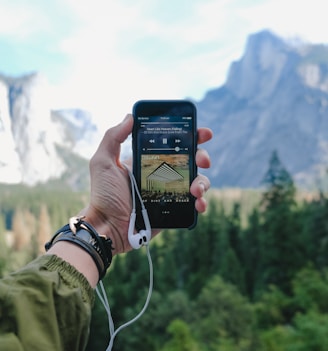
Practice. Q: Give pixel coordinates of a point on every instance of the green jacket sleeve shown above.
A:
(45, 306)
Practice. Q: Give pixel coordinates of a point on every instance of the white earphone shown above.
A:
(136, 240)
(143, 237)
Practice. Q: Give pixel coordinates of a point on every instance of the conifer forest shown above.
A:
(251, 276)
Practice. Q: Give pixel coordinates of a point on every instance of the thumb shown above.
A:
(114, 137)
(120, 132)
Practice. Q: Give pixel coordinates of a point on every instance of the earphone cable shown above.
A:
(150, 290)
(102, 294)
(103, 298)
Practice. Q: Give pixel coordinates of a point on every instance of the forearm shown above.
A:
(78, 258)
(45, 306)
(80, 244)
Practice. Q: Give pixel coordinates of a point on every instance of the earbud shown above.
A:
(139, 239)
(142, 238)
(136, 241)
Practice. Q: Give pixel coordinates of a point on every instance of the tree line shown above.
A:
(229, 284)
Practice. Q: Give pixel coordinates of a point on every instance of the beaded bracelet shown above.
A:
(84, 235)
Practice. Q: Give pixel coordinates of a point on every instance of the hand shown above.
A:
(110, 203)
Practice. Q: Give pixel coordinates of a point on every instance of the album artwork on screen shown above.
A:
(165, 178)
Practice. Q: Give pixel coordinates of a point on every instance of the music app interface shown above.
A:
(165, 145)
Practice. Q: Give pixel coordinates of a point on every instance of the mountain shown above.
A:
(37, 144)
(275, 98)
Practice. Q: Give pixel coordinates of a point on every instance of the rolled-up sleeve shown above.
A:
(45, 306)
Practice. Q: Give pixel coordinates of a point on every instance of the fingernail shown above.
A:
(127, 117)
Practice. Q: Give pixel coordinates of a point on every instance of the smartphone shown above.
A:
(164, 140)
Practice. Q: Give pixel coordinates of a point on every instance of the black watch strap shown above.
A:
(99, 247)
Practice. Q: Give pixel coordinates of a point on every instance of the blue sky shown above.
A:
(102, 55)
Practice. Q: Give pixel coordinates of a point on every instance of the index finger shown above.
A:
(203, 135)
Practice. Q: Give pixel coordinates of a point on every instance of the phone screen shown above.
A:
(164, 142)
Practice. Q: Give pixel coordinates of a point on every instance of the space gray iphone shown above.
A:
(164, 142)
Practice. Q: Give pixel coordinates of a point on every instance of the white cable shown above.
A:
(134, 186)
(103, 296)
(150, 290)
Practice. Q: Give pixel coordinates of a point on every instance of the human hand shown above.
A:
(110, 203)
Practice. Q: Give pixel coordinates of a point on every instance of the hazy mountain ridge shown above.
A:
(275, 98)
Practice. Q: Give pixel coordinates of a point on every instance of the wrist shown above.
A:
(96, 219)
(77, 258)
(83, 235)
(104, 227)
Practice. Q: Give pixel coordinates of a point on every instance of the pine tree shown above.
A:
(251, 252)
(280, 186)
(44, 232)
(315, 230)
(281, 247)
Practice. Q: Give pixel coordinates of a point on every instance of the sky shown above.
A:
(103, 55)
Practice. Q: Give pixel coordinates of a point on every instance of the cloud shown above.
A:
(112, 53)
(289, 18)
(124, 51)
(28, 20)
(102, 55)
(17, 25)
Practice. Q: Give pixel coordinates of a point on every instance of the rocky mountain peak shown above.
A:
(258, 72)
(275, 99)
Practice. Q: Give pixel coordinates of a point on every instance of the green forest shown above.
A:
(251, 276)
